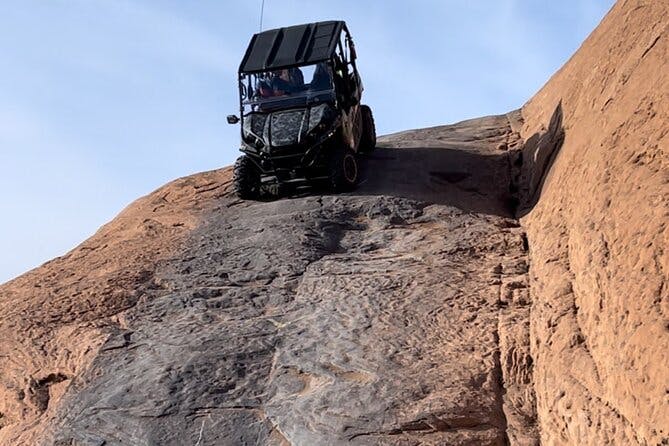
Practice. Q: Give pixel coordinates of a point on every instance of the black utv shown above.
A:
(301, 117)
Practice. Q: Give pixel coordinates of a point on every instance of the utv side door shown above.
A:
(349, 90)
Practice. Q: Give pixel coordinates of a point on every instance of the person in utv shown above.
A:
(321, 79)
(280, 83)
(287, 81)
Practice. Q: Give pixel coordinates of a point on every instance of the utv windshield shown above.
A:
(287, 88)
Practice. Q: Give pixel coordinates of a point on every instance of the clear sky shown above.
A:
(102, 101)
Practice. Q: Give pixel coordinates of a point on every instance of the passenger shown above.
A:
(296, 78)
(322, 79)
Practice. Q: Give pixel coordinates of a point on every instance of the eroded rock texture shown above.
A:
(406, 313)
(394, 315)
(598, 236)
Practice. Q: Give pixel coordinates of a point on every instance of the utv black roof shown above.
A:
(294, 45)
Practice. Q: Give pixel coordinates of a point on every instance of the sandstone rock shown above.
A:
(598, 236)
(414, 311)
(369, 318)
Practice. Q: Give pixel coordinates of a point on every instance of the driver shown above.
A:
(265, 88)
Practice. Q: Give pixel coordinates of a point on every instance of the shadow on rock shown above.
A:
(532, 164)
(461, 177)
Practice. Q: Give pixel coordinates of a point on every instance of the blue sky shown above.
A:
(102, 101)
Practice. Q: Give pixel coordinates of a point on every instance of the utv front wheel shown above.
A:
(343, 170)
(246, 179)
(368, 139)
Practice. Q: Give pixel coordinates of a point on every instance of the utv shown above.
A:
(301, 117)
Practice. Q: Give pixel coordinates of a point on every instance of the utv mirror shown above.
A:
(233, 119)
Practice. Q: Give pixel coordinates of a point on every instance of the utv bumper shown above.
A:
(293, 162)
(289, 164)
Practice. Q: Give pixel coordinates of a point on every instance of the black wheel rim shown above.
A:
(350, 168)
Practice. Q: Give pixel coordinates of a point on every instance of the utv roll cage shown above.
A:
(297, 46)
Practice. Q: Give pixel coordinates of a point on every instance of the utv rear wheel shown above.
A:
(343, 169)
(246, 179)
(368, 139)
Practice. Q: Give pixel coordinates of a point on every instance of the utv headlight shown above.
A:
(253, 127)
(253, 141)
(320, 118)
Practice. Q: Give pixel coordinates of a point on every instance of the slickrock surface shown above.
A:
(394, 315)
(414, 311)
(598, 236)
(56, 317)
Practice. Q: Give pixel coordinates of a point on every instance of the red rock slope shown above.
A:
(598, 235)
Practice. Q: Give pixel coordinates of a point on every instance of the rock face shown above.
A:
(598, 235)
(395, 315)
(56, 318)
(417, 310)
